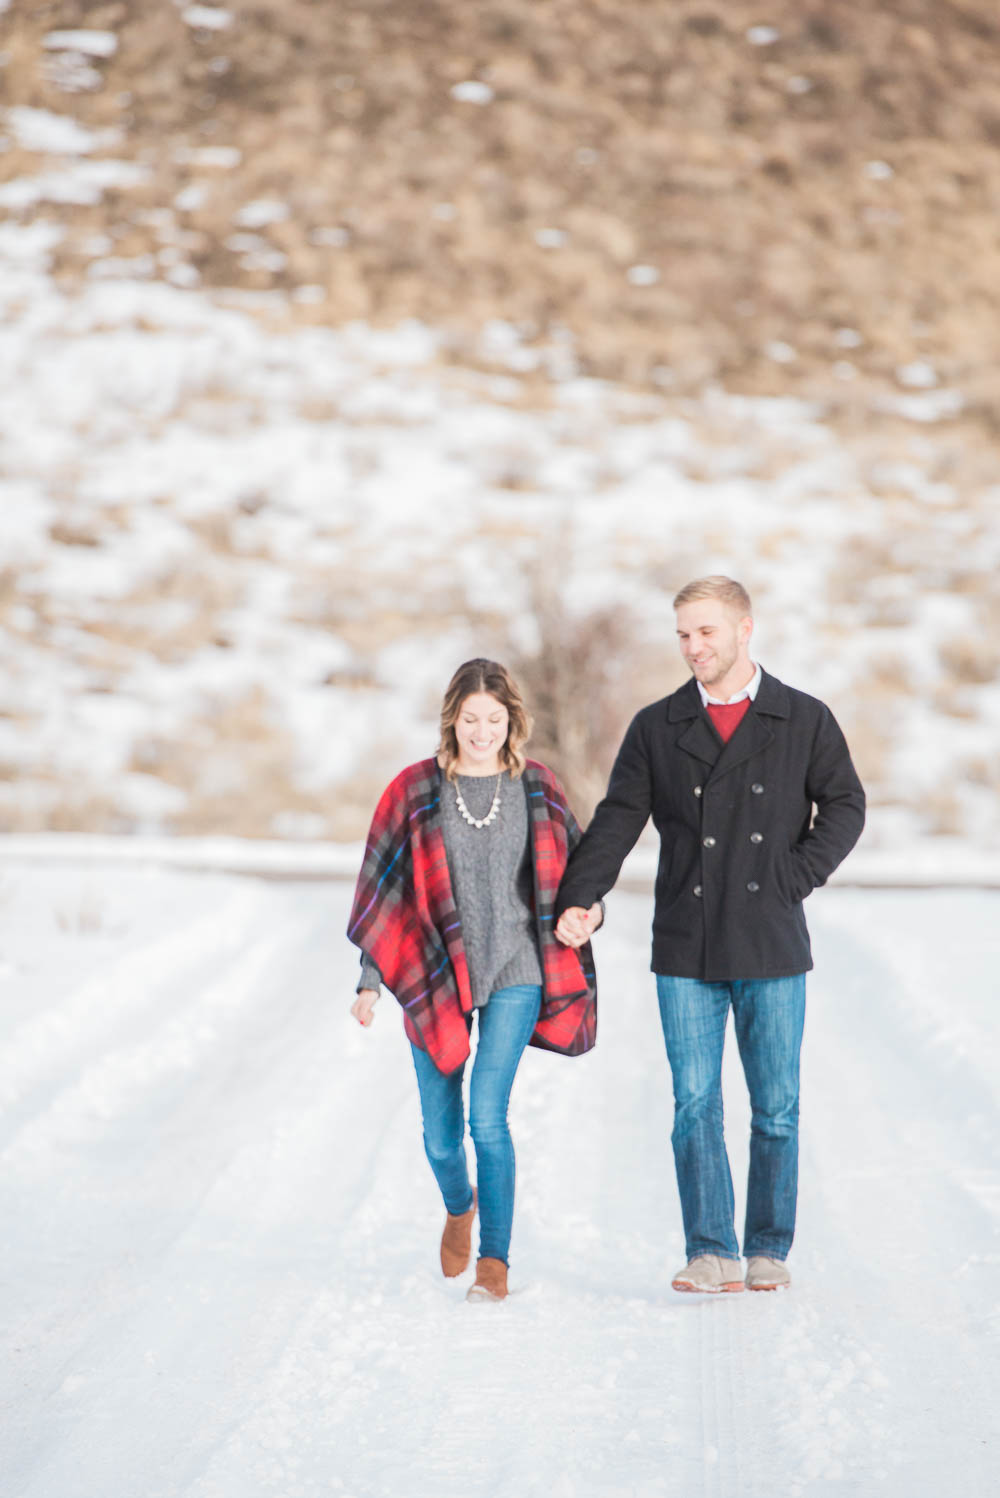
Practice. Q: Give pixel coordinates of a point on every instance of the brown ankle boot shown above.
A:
(491, 1281)
(456, 1241)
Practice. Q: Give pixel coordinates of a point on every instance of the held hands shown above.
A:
(363, 1007)
(577, 925)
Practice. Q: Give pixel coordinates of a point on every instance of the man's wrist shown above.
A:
(572, 902)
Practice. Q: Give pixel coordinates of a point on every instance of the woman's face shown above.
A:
(481, 730)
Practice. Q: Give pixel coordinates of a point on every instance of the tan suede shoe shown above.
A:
(456, 1241)
(767, 1274)
(491, 1281)
(709, 1274)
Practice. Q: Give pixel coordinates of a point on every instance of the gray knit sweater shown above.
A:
(491, 877)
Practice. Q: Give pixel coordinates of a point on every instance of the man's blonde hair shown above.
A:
(725, 589)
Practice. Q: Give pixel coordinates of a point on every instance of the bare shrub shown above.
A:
(583, 682)
(347, 808)
(235, 767)
(972, 663)
(943, 815)
(870, 734)
(73, 810)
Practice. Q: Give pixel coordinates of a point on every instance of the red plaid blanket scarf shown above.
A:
(404, 918)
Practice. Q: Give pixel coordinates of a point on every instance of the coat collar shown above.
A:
(772, 699)
(754, 734)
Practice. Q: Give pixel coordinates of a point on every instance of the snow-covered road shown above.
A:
(219, 1231)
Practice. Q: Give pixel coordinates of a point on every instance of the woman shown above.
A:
(453, 913)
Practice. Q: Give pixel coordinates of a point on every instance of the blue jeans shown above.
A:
(505, 1027)
(769, 1016)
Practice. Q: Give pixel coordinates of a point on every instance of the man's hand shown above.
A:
(577, 925)
(363, 1007)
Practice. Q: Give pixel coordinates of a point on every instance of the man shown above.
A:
(752, 790)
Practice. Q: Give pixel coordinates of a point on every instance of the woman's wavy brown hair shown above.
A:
(484, 676)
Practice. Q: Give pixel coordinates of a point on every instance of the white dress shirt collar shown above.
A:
(750, 690)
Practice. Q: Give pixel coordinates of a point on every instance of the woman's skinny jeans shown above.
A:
(505, 1026)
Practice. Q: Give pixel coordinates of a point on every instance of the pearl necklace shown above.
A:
(490, 815)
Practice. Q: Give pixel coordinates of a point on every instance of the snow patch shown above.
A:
(54, 134)
(261, 212)
(207, 17)
(472, 91)
(86, 183)
(223, 157)
(90, 43)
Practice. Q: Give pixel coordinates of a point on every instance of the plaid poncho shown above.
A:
(404, 918)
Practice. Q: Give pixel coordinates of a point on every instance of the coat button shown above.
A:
(756, 837)
(697, 790)
(757, 789)
(708, 842)
(697, 891)
(753, 886)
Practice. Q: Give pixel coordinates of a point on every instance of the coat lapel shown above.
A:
(698, 738)
(756, 731)
(751, 737)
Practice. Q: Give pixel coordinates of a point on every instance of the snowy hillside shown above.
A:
(333, 356)
(220, 1232)
(241, 560)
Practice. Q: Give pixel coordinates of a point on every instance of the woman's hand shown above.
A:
(577, 925)
(363, 1007)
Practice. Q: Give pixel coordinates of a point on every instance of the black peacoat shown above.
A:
(747, 829)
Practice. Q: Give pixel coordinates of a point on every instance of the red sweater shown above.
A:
(727, 716)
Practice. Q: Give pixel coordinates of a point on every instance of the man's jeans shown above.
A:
(505, 1026)
(769, 1016)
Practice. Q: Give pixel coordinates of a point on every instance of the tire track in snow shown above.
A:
(898, 1149)
(596, 1200)
(153, 1300)
(271, 1133)
(45, 1053)
(719, 1438)
(261, 1315)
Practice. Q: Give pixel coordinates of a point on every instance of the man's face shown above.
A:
(714, 640)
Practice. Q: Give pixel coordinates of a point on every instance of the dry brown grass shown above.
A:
(238, 772)
(73, 533)
(134, 626)
(235, 767)
(971, 662)
(954, 702)
(983, 772)
(739, 172)
(942, 814)
(72, 811)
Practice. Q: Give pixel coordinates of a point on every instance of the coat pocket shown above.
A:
(792, 879)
